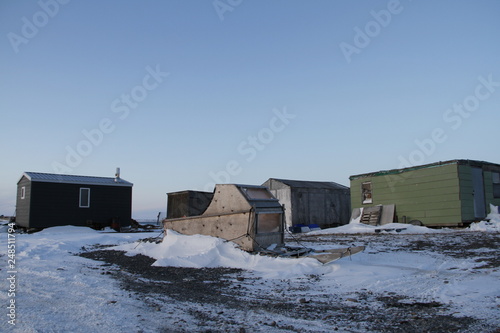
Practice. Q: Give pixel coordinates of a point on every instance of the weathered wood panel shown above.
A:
(230, 227)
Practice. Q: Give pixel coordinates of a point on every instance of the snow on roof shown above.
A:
(311, 184)
(74, 179)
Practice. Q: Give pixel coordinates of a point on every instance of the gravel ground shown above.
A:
(232, 300)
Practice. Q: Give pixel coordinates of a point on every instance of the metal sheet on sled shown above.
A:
(328, 256)
(323, 256)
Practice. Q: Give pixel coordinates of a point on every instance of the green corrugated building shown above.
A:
(450, 193)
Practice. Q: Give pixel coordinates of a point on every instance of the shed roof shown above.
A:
(424, 166)
(188, 191)
(311, 184)
(73, 179)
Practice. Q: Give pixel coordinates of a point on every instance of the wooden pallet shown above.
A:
(371, 215)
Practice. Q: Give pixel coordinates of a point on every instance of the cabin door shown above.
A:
(478, 193)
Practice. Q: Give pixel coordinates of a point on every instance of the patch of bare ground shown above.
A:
(479, 246)
(251, 304)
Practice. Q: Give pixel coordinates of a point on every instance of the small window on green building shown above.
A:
(496, 184)
(366, 193)
(23, 192)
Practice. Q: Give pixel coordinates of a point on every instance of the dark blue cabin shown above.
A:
(47, 200)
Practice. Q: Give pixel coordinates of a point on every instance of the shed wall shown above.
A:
(55, 204)
(467, 190)
(312, 204)
(431, 195)
(284, 195)
(323, 207)
(488, 188)
(187, 203)
(23, 205)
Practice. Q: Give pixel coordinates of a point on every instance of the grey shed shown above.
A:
(326, 204)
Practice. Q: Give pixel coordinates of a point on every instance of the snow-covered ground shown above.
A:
(58, 291)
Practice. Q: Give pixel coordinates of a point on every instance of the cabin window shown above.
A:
(366, 193)
(23, 192)
(84, 197)
(496, 184)
(268, 222)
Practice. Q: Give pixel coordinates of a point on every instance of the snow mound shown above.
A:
(4, 227)
(198, 251)
(48, 243)
(492, 223)
(58, 289)
(66, 230)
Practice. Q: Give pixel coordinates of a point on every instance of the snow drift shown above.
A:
(62, 292)
(491, 223)
(199, 251)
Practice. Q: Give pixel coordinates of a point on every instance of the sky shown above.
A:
(186, 94)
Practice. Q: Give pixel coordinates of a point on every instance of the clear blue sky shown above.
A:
(183, 94)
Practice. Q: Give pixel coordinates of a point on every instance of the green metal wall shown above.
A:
(431, 194)
(488, 189)
(466, 192)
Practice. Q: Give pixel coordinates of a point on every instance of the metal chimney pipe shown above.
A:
(117, 174)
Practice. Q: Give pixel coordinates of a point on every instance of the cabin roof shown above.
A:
(424, 166)
(74, 179)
